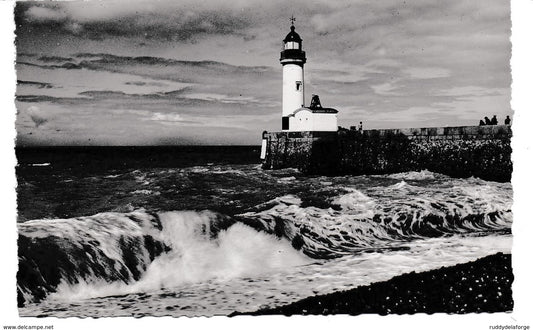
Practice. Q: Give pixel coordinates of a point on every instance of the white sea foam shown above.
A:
(196, 169)
(104, 228)
(196, 257)
(286, 179)
(237, 251)
(285, 285)
(227, 171)
(357, 202)
(383, 217)
(487, 197)
(413, 175)
(41, 164)
(146, 192)
(324, 230)
(400, 185)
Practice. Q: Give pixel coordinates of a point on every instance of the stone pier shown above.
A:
(465, 151)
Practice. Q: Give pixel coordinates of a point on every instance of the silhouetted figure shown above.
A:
(507, 120)
(487, 121)
(481, 123)
(494, 121)
(360, 126)
(315, 102)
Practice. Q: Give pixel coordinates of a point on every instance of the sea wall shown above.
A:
(480, 151)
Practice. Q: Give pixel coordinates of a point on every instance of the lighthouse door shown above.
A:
(284, 123)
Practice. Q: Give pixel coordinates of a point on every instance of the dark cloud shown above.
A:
(55, 59)
(100, 95)
(99, 60)
(114, 63)
(35, 83)
(168, 21)
(163, 102)
(136, 83)
(67, 65)
(206, 78)
(36, 98)
(24, 54)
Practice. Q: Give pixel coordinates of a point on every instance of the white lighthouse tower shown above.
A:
(296, 117)
(292, 59)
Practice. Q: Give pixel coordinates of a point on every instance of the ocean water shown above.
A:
(205, 231)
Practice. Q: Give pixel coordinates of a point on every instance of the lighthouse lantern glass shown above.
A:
(292, 45)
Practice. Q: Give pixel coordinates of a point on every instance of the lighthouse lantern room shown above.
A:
(295, 116)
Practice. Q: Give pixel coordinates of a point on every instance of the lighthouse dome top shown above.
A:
(292, 36)
(292, 52)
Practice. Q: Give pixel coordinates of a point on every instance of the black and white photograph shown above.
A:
(264, 159)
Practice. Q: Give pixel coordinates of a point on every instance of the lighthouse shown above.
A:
(292, 59)
(295, 116)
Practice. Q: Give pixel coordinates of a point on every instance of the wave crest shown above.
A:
(356, 222)
(121, 253)
(109, 246)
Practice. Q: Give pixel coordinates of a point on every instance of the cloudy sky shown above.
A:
(208, 72)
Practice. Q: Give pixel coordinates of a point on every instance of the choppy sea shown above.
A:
(205, 231)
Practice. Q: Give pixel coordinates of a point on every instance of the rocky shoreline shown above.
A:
(479, 286)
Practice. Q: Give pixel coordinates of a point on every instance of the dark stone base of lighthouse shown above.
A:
(479, 151)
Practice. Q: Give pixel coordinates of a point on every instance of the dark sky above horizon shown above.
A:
(206, 72)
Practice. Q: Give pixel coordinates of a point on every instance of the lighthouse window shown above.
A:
(292, 45)
(298, 85)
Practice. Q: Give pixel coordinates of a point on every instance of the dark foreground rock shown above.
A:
(483, 285)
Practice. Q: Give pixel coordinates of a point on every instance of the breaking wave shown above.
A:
(117, 253)
(108, 246)
(114, 253)
(356, 222)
